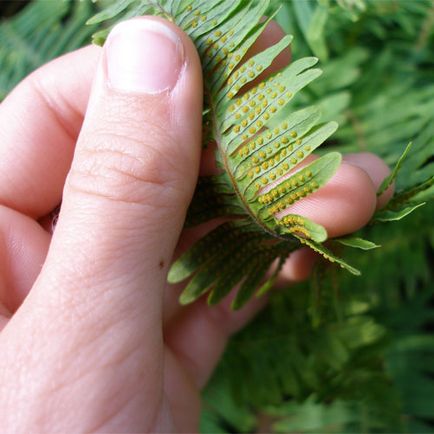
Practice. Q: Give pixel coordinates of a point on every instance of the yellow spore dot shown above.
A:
(244, 123)
(245, 109)
(260, 141)
(300, 154)
(236, 129)
(251, 74)
(252, 130)
(293, 161)
(273, 109)
(255, 160)
(264, 181)
(293, 134)
(281, 101)
(285, 166)
(265, 165)
(298, 142)
(262, 154)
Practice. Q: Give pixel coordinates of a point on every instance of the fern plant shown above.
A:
(338, 353)
(25, 47)
(258, 149)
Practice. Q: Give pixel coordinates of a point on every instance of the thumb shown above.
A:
(92, 320)
(132, 175)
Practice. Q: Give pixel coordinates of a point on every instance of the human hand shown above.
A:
(92, 340)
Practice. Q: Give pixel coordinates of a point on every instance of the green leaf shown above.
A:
(331, 257)
(387, 182)
(110, 12)
(357, 243)
(396, 215)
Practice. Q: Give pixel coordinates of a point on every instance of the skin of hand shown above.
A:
(92, 339)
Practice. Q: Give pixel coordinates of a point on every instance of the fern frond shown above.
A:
(260, 144)
(25, 47)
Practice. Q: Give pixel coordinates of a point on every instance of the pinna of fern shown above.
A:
(258, 151)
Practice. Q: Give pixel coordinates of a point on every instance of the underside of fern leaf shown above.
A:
(258, 149)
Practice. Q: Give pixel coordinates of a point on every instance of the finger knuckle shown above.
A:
(125, 166)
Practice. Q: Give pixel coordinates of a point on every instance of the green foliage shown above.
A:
(42, 31)
(339, 353)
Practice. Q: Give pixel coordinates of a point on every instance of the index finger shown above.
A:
(41, 120)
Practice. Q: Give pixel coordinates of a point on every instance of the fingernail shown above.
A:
(143, 55)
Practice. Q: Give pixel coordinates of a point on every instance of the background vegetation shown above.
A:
(339, 353)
